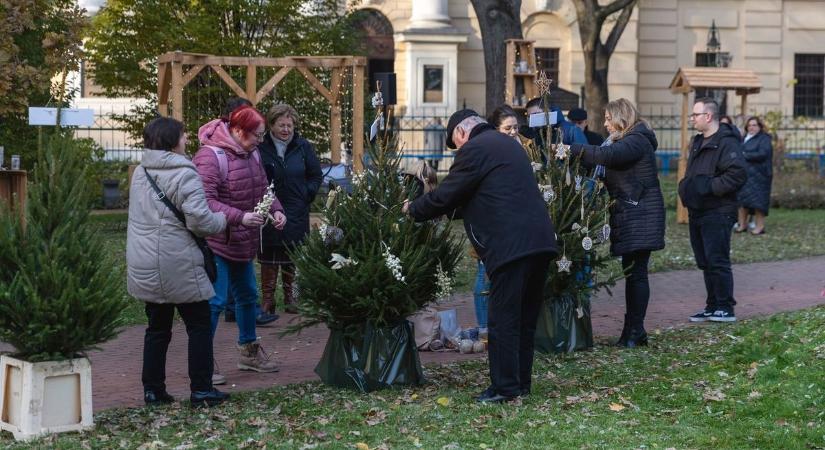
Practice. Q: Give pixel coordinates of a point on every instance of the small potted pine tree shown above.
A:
(59, 298)
(366, 269)
(578, 206)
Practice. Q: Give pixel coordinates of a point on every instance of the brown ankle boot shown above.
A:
(289, 290)
(255, 359)
(269, 282)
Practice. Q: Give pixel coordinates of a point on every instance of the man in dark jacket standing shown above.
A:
(506, 220)
(715, 172)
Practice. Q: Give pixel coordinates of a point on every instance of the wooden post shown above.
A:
(13, 191)
(177, 90)
(251, 84)
(681, 211)
(163, 89)
(358, 117)
(745, 105)
(335, 116)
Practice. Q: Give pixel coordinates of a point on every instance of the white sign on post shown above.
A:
(68, 117)
(539, 119)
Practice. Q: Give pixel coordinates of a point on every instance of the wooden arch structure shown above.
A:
(688, 79)
(177, 69)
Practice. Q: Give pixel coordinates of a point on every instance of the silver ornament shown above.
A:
(606, 231)
(587, 243)
(578, 183)
(564, 264)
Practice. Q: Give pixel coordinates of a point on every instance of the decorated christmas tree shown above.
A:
(367, 268)
(578, 206)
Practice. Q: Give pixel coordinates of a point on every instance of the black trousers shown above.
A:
(636, 288)
(197, 318)
(710, 239)
(516, 294)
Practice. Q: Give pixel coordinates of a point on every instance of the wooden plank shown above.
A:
(269, 85)
(177, 91)
(335, 132)
(251, 84)
(191, 74)
(335, 115)
(316, 84)
(164, 74)
(229, 81)
(329, 62)
(358, 118)
(684, 152)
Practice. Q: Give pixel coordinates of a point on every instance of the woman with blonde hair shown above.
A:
(293, 168)
(637, 212)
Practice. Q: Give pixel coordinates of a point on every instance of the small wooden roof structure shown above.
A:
(177, 69)
(743, 81)
(687, 79)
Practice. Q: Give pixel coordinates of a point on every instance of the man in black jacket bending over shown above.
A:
(715, 172)
(506, 220)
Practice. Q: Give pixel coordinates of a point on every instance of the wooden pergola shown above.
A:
(688, 79)
(178, 69)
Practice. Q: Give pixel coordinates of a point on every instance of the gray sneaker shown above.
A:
(701, 316)
(723, 316)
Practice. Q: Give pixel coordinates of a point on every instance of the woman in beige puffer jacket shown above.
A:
(165, 267)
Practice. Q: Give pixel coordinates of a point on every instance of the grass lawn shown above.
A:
(790, 234)
(755, 384)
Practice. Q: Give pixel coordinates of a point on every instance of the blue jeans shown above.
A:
(239, 277)
(482, 285)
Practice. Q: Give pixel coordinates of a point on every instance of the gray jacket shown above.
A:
(164, 265)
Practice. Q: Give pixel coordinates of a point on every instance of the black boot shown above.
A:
(636, 337)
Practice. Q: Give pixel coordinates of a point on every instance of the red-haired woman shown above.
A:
(234, 181)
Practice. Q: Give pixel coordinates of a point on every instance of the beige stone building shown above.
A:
(435, 49)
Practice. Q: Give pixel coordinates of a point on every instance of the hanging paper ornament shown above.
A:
(606, 231)
(567, 177)
(548, 193)
(561, 151)
(576, 226)
(564, 264)
(587, 243)
(578, 183)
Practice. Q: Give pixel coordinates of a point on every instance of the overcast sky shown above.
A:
(91, 5)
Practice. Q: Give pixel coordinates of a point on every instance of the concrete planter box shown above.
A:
(45, 397)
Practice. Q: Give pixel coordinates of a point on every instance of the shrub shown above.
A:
(798, 190)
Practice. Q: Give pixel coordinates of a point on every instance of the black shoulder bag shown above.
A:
(209, 263)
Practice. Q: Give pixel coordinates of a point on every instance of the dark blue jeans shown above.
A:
(710, 239)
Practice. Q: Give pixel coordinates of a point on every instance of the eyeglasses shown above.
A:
(693, 115)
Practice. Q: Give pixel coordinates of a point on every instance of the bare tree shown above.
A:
(498, 20)
(591, 18)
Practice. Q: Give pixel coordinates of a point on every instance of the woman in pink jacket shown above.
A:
(235, 182)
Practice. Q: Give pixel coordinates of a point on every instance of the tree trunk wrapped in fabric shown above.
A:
(366, 269)
(578, 206)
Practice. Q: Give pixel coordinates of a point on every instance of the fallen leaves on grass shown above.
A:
(616, 407)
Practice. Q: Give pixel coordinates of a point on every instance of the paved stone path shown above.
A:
(761, 289)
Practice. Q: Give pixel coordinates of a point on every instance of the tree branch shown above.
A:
(618, 28)
(604, 11)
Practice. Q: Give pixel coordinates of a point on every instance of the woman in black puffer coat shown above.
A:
(755, 195)
(293, 167)
(637, 216)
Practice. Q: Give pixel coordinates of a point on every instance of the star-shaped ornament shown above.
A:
(543, 82)
(564, 264)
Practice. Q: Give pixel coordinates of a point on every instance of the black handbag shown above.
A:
(209, 263)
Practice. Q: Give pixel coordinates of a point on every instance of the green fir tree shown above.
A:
(59, 292)
(578, 206)
(368, 262)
